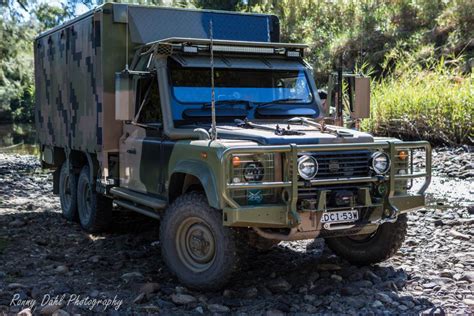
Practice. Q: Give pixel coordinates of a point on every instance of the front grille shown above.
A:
(312, 191)
(339, 164)
(342, 164)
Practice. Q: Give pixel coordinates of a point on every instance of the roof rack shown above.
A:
(200, 45)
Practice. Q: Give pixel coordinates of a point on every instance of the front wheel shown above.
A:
(95, 210)
(371, 248)
(196, 246)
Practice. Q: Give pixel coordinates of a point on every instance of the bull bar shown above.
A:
(391, 147)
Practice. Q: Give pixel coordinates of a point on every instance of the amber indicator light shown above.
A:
(235, 161)
(403, 155)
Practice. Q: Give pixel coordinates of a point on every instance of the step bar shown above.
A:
(138, 202)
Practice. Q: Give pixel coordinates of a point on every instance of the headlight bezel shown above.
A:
(374, 157)
(303, 159)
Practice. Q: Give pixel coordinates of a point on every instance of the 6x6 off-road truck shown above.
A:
(205, 121)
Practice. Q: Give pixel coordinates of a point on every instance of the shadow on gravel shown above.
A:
(43, 254)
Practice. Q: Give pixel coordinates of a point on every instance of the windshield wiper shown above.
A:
(321, 126)
(277, 130)
(278, 101)
(231, 102)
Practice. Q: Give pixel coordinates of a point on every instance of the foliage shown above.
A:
(16, 64)
(433, 102)
(21, 22)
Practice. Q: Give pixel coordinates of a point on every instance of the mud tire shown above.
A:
(95, 210)
(377, 247)
(215, 272)
(68, 192)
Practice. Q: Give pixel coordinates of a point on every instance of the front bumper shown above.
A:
(287, 214)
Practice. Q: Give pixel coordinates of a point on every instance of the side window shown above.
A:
(148, 101)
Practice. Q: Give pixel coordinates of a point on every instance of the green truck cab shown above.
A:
(205, 121)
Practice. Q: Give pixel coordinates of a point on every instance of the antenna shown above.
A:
(213, 95)
(126, 43)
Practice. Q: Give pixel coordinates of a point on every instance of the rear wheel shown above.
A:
(95, 210)
(371, 248)
(196, 246)
(68, 192)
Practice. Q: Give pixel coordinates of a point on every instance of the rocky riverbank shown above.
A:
(45, 259)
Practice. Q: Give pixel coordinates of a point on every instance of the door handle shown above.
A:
(132, 151)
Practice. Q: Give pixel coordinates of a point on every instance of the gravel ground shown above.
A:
(45, 259)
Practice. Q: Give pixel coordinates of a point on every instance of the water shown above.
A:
(18, 139)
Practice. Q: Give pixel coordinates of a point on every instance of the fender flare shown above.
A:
(203, 172)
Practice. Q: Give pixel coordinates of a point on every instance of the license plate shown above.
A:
(340, 216)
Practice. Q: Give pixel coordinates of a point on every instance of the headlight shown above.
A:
(253, 172)
(380, 162)
(307, 167)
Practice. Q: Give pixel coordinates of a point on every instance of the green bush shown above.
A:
(435, 103)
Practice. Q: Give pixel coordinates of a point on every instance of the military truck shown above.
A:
(205, 121)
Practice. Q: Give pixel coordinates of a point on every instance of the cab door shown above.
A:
(140, 145)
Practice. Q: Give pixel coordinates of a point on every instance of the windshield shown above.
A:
(193, 85)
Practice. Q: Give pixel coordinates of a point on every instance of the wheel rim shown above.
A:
(67, 195)
(87, 194)
(195, 244)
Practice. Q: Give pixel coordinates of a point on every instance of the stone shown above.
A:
(25, 312)
(181, 290)
(468, 302)
(217, 308)
(274, 312)
(132, 275)
(402, 307)
(278, 285)
(336, 277)
(60, 312)
(62, 269)
(377, 304)
(251, 292)
(446, 274)
(459, 235)
(152, 309)
(355, 302)
(182, 299)
(384, 298)
(149, 288)
(429, 285)
(199, 310)
(468, 276)
(139, 299)
(49, 309)
(15, 286)
(372, 276)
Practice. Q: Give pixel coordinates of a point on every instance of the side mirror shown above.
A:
(361, 106)
(124, 106)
